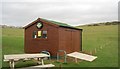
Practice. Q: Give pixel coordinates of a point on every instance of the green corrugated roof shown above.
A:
(60, 24)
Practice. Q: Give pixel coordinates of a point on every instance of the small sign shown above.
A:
(39, 25)
(39, 33)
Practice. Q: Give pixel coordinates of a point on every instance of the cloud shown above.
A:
(73, 12)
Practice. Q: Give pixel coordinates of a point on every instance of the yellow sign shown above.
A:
(39, 33)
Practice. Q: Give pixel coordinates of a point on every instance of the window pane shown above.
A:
(44, 34)
(34, 34)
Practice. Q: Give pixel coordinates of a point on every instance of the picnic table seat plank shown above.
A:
(39, 66)
(24, 56)
(82, 56)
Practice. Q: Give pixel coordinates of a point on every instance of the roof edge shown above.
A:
(71, 27)
(50, 23)
(39, 19)
(31, 23)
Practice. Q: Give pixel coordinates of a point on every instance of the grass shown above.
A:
(0, 48)
(12, 39)
(103, 39)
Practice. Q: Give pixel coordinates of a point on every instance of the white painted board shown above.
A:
(82, 56)
(39, 66)
(23, 56)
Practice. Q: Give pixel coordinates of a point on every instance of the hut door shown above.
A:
(76, 40)
(69, 42)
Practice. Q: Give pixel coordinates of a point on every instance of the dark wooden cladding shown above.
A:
(58, 38)
(69, 40)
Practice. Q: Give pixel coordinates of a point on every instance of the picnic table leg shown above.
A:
(12, 64)
(76, 60)
(42, 61)
(38, 61)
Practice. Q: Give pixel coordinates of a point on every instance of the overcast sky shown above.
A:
(72, 12)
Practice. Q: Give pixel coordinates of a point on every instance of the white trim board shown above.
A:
(82, 56)
(39, 66)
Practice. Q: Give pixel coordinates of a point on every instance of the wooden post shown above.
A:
(76, 60)
(90, 52)
(95, 50)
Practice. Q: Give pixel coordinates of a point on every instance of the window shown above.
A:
(40, 34)
(34, 34)
(44, 34)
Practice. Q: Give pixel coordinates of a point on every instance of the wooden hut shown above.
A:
(51, 36)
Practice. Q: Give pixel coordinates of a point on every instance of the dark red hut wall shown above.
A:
(69, 40)
(36, 45)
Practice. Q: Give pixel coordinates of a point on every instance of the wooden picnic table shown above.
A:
(16, 57)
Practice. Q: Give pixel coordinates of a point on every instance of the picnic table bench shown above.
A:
(16, 57)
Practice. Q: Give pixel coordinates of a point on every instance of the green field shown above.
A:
(103, 39)
(0, 48)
